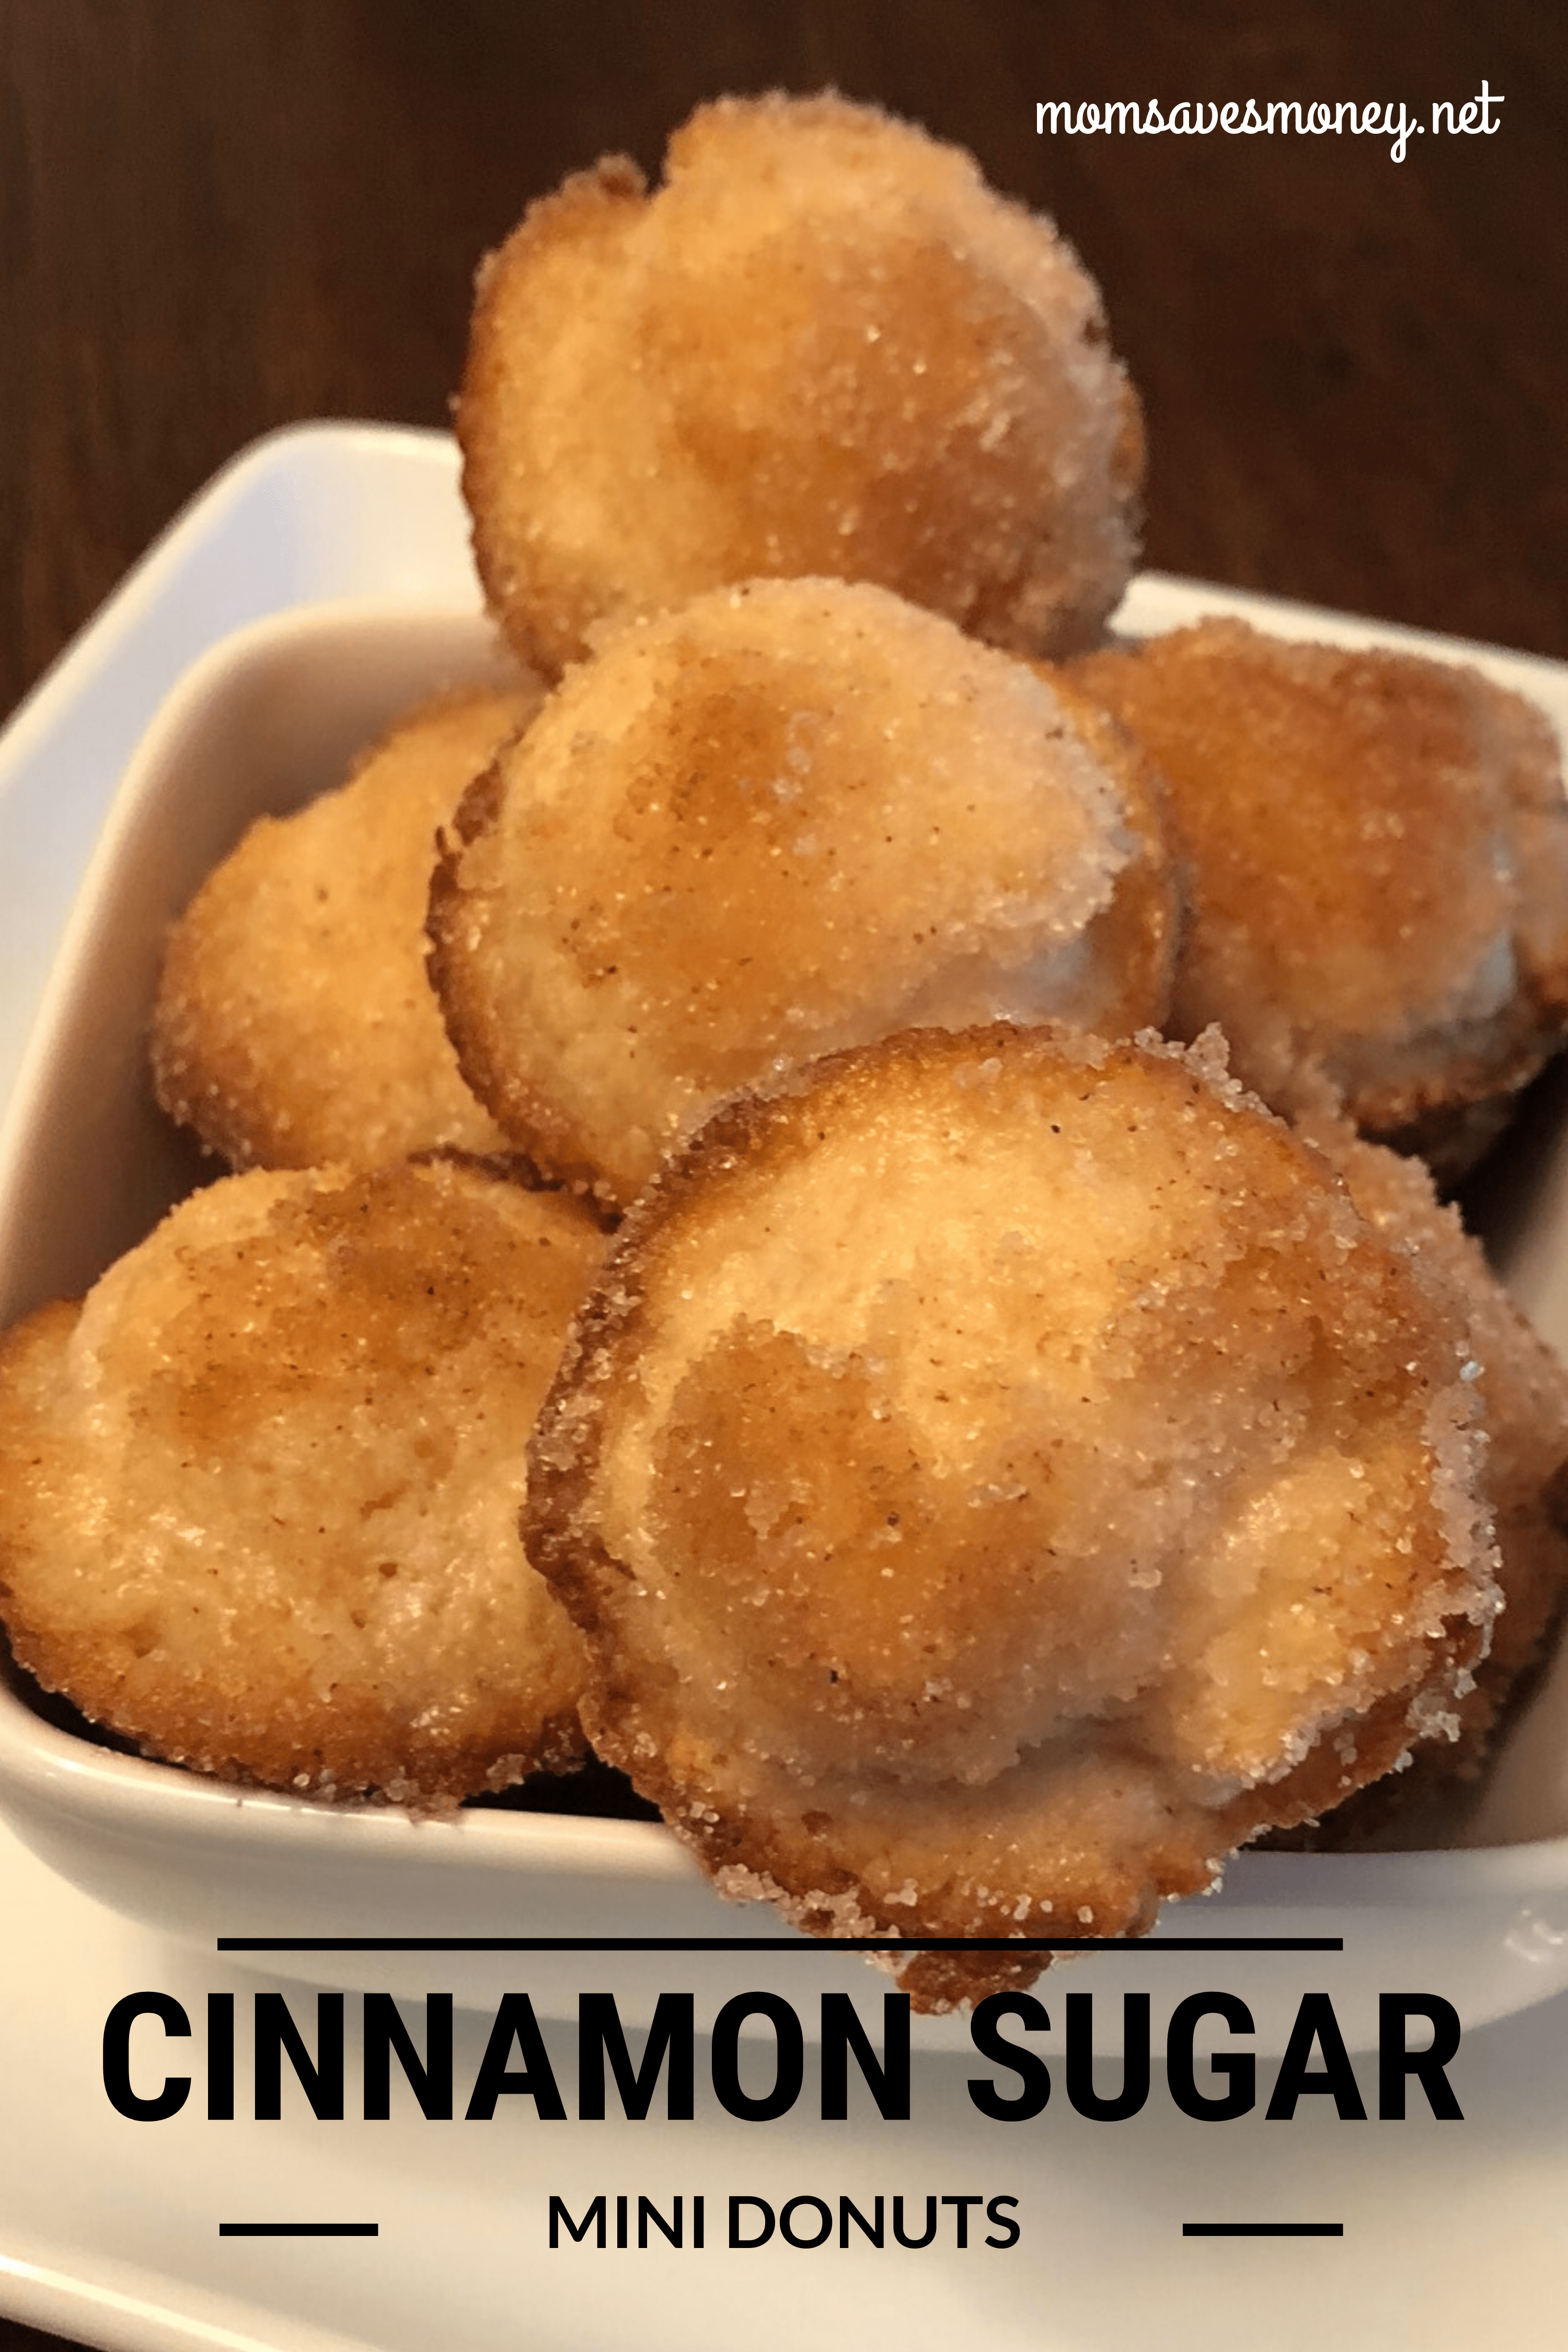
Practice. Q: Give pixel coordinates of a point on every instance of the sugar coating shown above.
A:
(824, 346)
(1524, 1391)
(258, 1492)
(1376, 849)
(295, 1023)
(791, 816)
(1007, 1468)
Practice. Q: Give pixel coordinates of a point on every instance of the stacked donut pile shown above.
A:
(889, 1086)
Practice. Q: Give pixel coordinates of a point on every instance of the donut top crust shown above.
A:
(789, 816)
(1376, 855)
(998, 1473)
(258, 1491)
(824, 346)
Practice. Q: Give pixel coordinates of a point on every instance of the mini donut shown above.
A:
(998, 1473)
(258, 1491)
(789, 817)
(824, 346)
(294, 1023)
(1524, 1391)
(1376, 853)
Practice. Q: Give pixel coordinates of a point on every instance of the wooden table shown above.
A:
(220, 216)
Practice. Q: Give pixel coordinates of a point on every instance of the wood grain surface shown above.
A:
(217, 216)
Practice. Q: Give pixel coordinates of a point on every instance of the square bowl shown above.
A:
(264, 719)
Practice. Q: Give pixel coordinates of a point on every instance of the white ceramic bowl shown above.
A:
(267, 717)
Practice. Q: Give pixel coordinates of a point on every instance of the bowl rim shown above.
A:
(46, 1771)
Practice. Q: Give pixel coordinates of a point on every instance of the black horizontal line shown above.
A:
(1263, 2229)
(909, 1946)
(299, 2228)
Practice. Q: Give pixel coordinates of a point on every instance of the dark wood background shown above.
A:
(220, 216)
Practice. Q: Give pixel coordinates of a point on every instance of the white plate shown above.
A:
(331, 513)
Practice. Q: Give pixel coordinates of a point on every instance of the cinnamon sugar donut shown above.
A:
(787, 817)
(998, 1475)
(824, 346)
(258, 1491)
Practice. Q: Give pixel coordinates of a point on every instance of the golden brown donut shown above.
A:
(1524, 1391)
(258, 1491)
(1376, 853)
(788, 817)
(998, 1475)
(824, 346)
(295, 1023)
